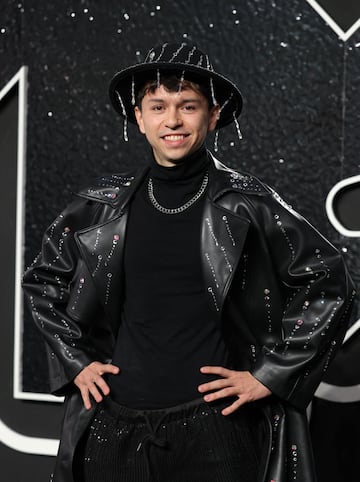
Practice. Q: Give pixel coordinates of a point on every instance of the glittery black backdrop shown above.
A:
(300, 82)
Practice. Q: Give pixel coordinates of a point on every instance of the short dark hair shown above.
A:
(173, 83)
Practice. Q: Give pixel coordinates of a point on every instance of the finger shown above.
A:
(85, 396)
(223, 393)
(233, 407)
(224, 372)
(214, 385)
(95, 393)
(102, 385)
(108, 368)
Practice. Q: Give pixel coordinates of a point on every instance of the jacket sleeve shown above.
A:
(318, 303)
(58, 287)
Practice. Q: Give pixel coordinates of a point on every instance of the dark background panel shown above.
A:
(347, 207)
(18, 467)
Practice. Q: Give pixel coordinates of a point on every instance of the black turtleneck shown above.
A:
(167, 331)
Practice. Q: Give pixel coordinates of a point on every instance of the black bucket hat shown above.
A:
(185, 61)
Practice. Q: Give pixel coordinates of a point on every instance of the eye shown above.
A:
(189, 107)
(157, 108)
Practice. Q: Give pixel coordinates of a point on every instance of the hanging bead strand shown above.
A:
(125, 116)
(133, 101)
(212, 91)
(181, 81)
(237, 126)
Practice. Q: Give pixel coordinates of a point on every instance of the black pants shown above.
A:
(192, 442)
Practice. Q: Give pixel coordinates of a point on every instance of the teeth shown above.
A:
(174, 137)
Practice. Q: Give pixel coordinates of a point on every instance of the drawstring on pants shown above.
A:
(151, 438)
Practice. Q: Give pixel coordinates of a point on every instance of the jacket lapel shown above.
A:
(102, 245)
(223, 236)
(223, 231)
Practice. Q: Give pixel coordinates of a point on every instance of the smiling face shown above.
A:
(175, 123)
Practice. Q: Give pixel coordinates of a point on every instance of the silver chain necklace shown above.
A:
(182, 208)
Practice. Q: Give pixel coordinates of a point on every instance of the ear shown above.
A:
(213, 117)
(139, 119)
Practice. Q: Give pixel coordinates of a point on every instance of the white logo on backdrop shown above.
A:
(344, 35)
(9, 437)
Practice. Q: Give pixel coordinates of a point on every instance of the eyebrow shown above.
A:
(183, 101)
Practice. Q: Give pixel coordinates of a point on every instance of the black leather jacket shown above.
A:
(282, 291)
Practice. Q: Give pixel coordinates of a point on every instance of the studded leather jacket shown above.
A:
(281, 290)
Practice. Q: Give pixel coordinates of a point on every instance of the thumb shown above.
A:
(112, 369)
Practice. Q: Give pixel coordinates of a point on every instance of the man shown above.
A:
(190, 313)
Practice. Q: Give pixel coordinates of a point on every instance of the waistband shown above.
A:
(177, 412)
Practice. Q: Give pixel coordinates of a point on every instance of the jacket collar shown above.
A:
(225, 179)
(117, 189)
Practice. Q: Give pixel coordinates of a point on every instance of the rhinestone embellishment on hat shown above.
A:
(182, 208)
(179, 59)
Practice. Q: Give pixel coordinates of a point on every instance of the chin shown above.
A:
(177, 160)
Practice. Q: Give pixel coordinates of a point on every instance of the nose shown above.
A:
(173, 119)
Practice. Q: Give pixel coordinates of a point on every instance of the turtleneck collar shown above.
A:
(190, 167)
